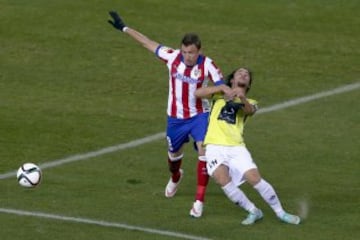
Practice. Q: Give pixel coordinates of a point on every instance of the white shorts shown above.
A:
(237, 158)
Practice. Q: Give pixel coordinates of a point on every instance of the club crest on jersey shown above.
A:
(197, 73)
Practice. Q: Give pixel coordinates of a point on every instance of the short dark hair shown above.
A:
(231, 76)
(191, 38)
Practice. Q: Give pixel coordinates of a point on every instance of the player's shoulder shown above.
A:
(165, 50)
(210, 64)
(207, 59)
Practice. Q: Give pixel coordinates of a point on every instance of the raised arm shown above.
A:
(119, 24)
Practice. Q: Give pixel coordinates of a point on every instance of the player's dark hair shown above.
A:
(191, 38)
(231, 76)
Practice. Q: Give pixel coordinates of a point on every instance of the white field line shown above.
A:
(161, 135)
(88, 155)
(100, 223)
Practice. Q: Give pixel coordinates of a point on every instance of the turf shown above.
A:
(70, 84)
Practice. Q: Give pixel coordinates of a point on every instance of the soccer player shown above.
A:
(228, 160)
(187, 115)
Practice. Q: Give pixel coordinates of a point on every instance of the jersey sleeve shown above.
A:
(214, 72)
(166, 53)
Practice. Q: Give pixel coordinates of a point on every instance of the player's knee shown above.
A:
(222, 181)
(253, 177)
(175, 156)
(221, 177)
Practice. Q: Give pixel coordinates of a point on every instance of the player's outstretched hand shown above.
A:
(117, 22)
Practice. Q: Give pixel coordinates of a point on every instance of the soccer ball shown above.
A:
(29, 175)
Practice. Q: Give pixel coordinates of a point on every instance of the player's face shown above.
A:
(190, 54)
(241, 78)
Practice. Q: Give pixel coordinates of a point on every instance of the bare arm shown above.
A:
(207, 92)
(142, 39)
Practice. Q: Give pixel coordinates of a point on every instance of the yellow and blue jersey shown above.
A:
(226, 123)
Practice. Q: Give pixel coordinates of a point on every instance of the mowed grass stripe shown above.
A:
(161, 135)
(100, 223)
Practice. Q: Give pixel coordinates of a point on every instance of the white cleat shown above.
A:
(197, 209)
(172, 187)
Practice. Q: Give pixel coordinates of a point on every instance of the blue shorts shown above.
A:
(179, 130)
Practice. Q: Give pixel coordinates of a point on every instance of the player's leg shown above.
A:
(234, 170)
(198, 131)
(268, 193)
(202, 182)
(236, 195)
(174, 164)
(176, 136)
(202, 175)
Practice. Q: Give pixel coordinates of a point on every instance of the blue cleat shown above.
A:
(289, 218)
(253, 217)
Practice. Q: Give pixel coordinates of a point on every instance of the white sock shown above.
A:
(268, 193)
(238, 197)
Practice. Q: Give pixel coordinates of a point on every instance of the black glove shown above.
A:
(118, 22)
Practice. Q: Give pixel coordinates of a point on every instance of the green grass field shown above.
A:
(70, 84)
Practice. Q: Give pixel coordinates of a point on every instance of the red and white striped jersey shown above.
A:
(184, 80)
